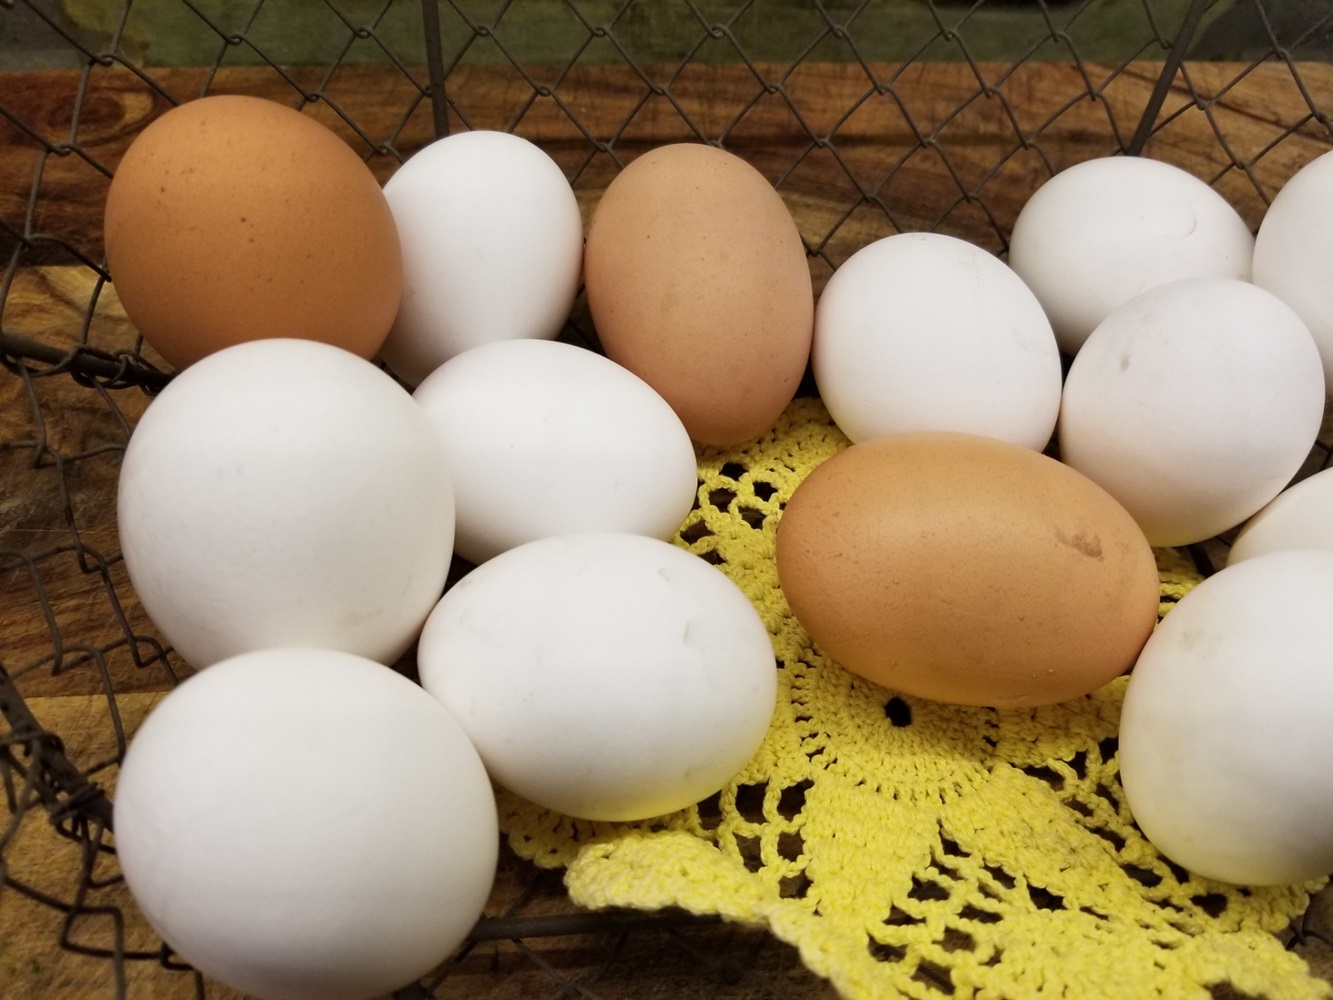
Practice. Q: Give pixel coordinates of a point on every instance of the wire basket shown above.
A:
(870, 117)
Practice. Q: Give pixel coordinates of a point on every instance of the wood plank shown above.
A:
(65, 600)
(878, 148)
(1245, 130)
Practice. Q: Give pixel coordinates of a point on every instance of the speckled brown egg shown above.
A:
(698, 282)
(232, 218)
(968, 570)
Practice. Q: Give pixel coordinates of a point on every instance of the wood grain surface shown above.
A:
(858, 152)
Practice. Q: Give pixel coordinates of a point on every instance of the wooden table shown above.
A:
(944, 146)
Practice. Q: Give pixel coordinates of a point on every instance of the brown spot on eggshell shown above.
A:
(1090, 546)
(966, 569)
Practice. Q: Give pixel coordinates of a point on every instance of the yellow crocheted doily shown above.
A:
(909, 848)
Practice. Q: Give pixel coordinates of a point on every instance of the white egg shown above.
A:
(545, 438)
(1193, 405)
(492, 244)
(1300, 517)
(306, 825)
(285, 493)
(604, 676)
(1103, 231)
(1293, 252)
(1227, 729)
(922, 331)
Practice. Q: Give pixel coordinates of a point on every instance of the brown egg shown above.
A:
(233, 218)
(966, 569)
(698, 282)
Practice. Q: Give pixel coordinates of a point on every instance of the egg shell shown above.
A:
(922, 331)
(605, 676)
(232, 218)
(304, 824)
(966, 569)
(285, 493)
(492, 248)
(1193, 404)
(1227, 727)
(1293, 251)
(1103, 231)
(546, 438)
(1300, 517)
(697, 281)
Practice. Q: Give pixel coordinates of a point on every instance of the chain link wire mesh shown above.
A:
(870, 116)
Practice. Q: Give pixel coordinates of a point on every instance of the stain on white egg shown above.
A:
(605, 676)
(1193, 405)
(922, 331)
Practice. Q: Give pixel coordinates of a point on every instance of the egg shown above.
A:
(605, 676)
(285, 493)
(1300, 517)
(965, 569)
(304, 824)
(1193, 404)
(922, 331)
(697, 281)
(1103, 231)
(546, 438)
(1227, 728)
(492, 248)
(1293, 251)
(232, 218)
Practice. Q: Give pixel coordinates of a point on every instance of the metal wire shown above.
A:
(663, 56)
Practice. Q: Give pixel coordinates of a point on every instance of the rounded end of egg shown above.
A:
(966, 570)
(922, 331)
(301, 863)
(285, 492)
(492, 240)
(233, 218)
(698, 282)
(604, 676)
(1103, 230)
(1293, 252)
(1227, 730)
(1190, 457)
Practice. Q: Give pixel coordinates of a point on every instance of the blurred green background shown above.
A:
(296, 32)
